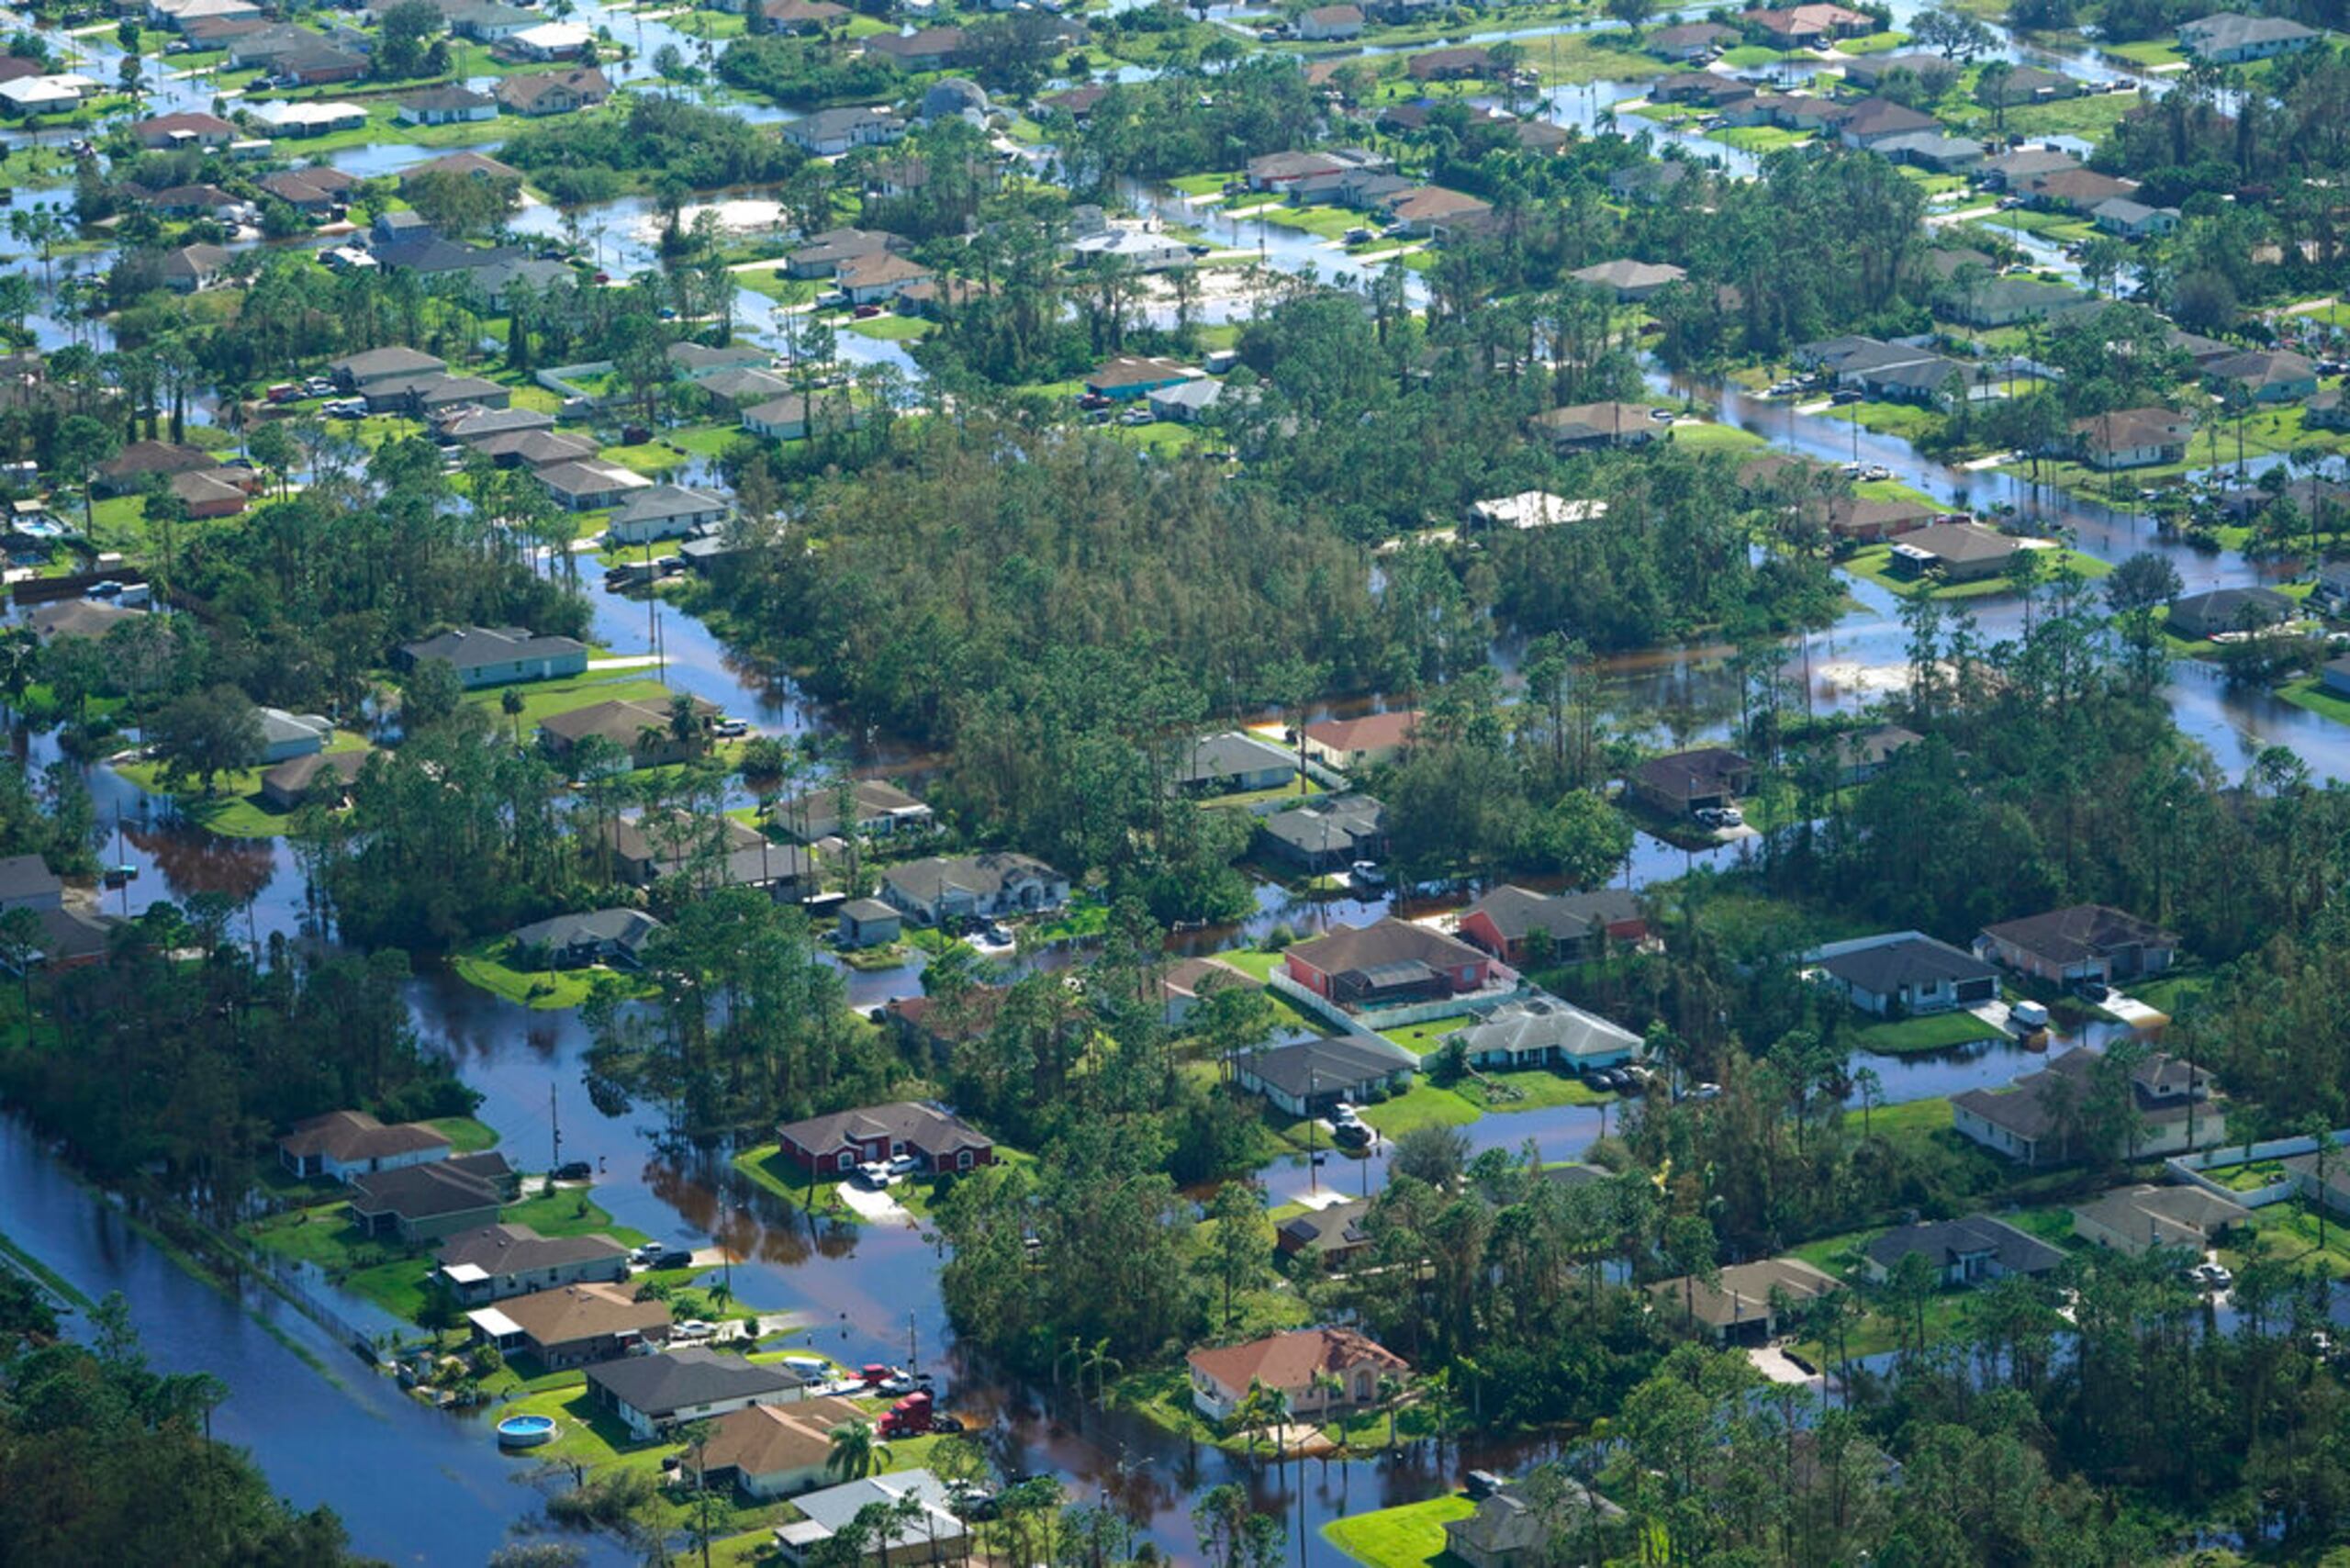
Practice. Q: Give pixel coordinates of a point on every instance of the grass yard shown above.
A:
(2309, 694)
(1759, 138)
(1411, 1536)
(1930, 1032)
(484, 964)
(542, 700)
(1425, 1104)
(465, 1135)
(2289, 1232)
(234, 809)
(890, 328)
(1710, 437)
(1292, 790)
(1874, 565)
(1254, 962)
(1422, 1039)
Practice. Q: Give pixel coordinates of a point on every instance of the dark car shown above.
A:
(675, 1258)
(574, 1170)
(1351, 1134)
(1484, 1483)
(2094, 991)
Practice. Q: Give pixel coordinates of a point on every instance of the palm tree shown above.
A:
(1098, 1360)
(509, 702)
(696, 1435)
(856, 1454)
(20, 943)
(1333, 1389)
(1391, 1394)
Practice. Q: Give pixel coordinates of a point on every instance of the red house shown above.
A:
(839, 1143)
(1393, 962)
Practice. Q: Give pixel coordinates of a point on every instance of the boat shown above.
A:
(525, 1431)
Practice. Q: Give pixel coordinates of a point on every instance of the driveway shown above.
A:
(881, 1208)
(2133, 1011)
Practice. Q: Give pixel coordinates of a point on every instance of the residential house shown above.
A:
(445, 106)
(356, 373)
(2230, 38)
(744, 387)
(1295, 1365)
(644, 729)
(2132, 438)
(199, 201)
(1234, 763)
(314, 190)
(1582, 427)
(1467, 62)
(129, 469)
(1387, 962)
(165, 133)
(2037, 1120)
(1739, 1306)
(1804, 26)
(2199, 615)
(665, 512)
(1506, 1530)
(837, 1143)
(1691, 40)
(1139, 250)
(1317, 173)
(1629, 281)
(220, 492)
(1311, 1078)
(2140, 1218)
(309, 117)
(1428, 211)
(55, 93)
(1862, 755)
(341, 1145)
(2076, 190)
(1128, 377)
(823, 254)
(540, 93)
(419, 395)
(876, 808)
(1186, 402)
(286, 736)
(577, 1325)
(1570, 927)
(656, 843)
(547, 40)
(590, 487)
(191, 269)
(27, 882)
(1330, 1236)
(1930, 149)
(1532, 508)
(2015, 169)
(925, 49)
(1649, 182)
(2265, 376)
(1683, 782)
(1870, 70)
(1875, 120)
(1326, 833)
(877, 279)
(937, 887)
(2134, 220)
(300, 779)
(475, 427)
(650, 1395)
(797, 416)
(802, 16)
(767, 1451)
(1541, 1031)
(501, 1260)
(1904, 974)
(2328, 410)
(432, 1202)
(577, 941)
(867, 922)
(2081, 942)
(1955, 552)
(1184, 984)
(1326, 24)
(1702, 89)
(479, 165)
(930, 1532)
(496, 655)
(2005, 301)
(1969, 1250)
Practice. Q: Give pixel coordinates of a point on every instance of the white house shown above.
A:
(286, 736)
(664, 512)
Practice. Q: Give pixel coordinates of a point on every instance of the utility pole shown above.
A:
(914, 1344)
(554, 1127)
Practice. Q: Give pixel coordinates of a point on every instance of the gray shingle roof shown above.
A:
(1946, 1241)
(678, 1379)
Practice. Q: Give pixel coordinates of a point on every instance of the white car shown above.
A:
(1730, 816)
(2027, 1015)
(694, 1328)
(1367, 873)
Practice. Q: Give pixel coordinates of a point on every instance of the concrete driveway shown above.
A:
(2133, 1011)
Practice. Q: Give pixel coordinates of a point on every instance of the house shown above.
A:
(56, 92)
(2134, 220)
(501, 1260)
(1465, 64)
(1583, 427)
(1874, 120)
(938, 888)
(445, 106)
(769, 1450)
(1904, 974)
(547, 40)
(1541, 1031)
(1184, 984)
(1963, 1251)
(2078, 190)
(938, 1140)
(823, 253)
(340, 1144)
(2199, 615)
(1139, 250)
(1651, 181)
(1432, 210)
(797, 416)
(879, 278)
(286, 736)
(2229, 38)
(220, 492)
(168, 133)
(128, 469)
(590, 487)
(748, 386)
(309, 117)
(2036, 1120)
(876, 808)
(478, 165)
(646, 730)
(1930, 149)
(2016, 169)
(1294, 1365)
(1739, 1306)
(867, 923)
(1309, 1077)
(419, 395)
(1308, 173)
(2004, 301)
(829, 133)
(2132, 438)
(1506, 1530)
(2086, 941)
(476, 427)
(1955, 552)
(2265, 376)
(1702, 89)
(657, 844)
(1868, 71)
(313, 190)
(1186, 402)
(577, 1325)
(1683, 782)
(925, 49)
(1327, 24)
(651, 1394)
(1233, 763)
(432, 1202)
(1862, 755)
(1390, 961)
(297, 779)
(795, 15)
(197, 201)
(2140, 1218)
(356, 373)
(1629, 281)
(2331, 593)
(1331, 1235)
(1694, 40)
(1801, 27)
(1570, 927)
(2329, 410)
(540, 93)
(577, 941)
(191, 269)
(27, 882)
(665, 512)
(1326, 833)
(923, 1527)
(1532, 508)
(496, 655)
(1128, 377)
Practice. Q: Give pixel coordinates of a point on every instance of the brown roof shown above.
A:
(465, 163)
(1430, 202)
(2082, 931)
(1687, 775)
(523, 92)
(1743, 1294)
(1290, 1360)
(1390, 941)
(582, 1312)
(882, 266)
(352, 1136)
(1372, 732)
(773, 1439)
(156, 457)
(1960, 541)
(619, 721)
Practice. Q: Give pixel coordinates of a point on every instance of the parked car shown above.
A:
(318, 387)
(970, 1499)
(1663, 416)
(694, 1328)
(1367, 873)
(1484, 1483)
(1844, 395)
(1352, 1134)
(644, 1256)
(2027, 1015)
(1705, 1092)
(2093, 991)
(867, 311)
(574, 1170)
(1730, 816)
(673, 1257)
(731, 729)
(1197, 249)
(2211, 1276)
(1358, 236)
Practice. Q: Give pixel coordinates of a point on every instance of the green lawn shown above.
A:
(1425, 1104)
(1298, 789)
(1709, 437)
(1411, 1536)
(484, 964)
(1759, 138)
(890, 328)
(1875, 564)
(2309, 694)
(1252, 961)
(651, 459)
(234, 809)
(1930, 1032)
(465, 1135)
(544, 699)
(1422, 1039)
